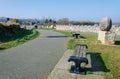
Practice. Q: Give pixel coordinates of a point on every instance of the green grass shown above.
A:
(71, 44)
(13, 43)
(46, 29)
(63, 32)
(89, 72)
(109, 55)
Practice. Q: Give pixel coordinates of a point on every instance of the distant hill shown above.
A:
(3, 19)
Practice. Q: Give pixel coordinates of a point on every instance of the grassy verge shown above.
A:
(109, 56)
(46, 29)
(13, 43)
(63, 32)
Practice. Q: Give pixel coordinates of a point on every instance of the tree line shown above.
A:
(65, 21)
(49, 22)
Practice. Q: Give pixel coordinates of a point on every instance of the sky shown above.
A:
(80, 10)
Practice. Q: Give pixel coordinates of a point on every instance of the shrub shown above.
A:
(12, 32)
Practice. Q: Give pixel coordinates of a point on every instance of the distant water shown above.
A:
(116, 23)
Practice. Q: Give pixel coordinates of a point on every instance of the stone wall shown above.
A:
(94, 28)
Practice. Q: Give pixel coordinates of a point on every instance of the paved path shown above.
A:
(34, 59)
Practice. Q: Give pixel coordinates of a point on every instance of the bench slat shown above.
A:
(80, 51)
(79, 55)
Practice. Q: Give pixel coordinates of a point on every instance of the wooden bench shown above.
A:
(79, 56)
(76, 35)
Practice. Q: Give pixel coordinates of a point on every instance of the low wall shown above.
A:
(94, 29)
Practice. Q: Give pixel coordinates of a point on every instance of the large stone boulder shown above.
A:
(105, 24)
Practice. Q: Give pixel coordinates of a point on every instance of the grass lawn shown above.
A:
(109, 56)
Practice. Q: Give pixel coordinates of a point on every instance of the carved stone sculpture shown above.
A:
(105, 24)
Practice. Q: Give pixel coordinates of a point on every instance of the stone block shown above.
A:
(110, 38)
(101, 36)
(106, 37)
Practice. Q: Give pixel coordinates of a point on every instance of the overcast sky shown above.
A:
(93, 10)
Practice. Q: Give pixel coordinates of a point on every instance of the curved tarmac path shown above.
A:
(34, 59)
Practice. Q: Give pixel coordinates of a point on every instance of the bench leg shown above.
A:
(78, 68)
